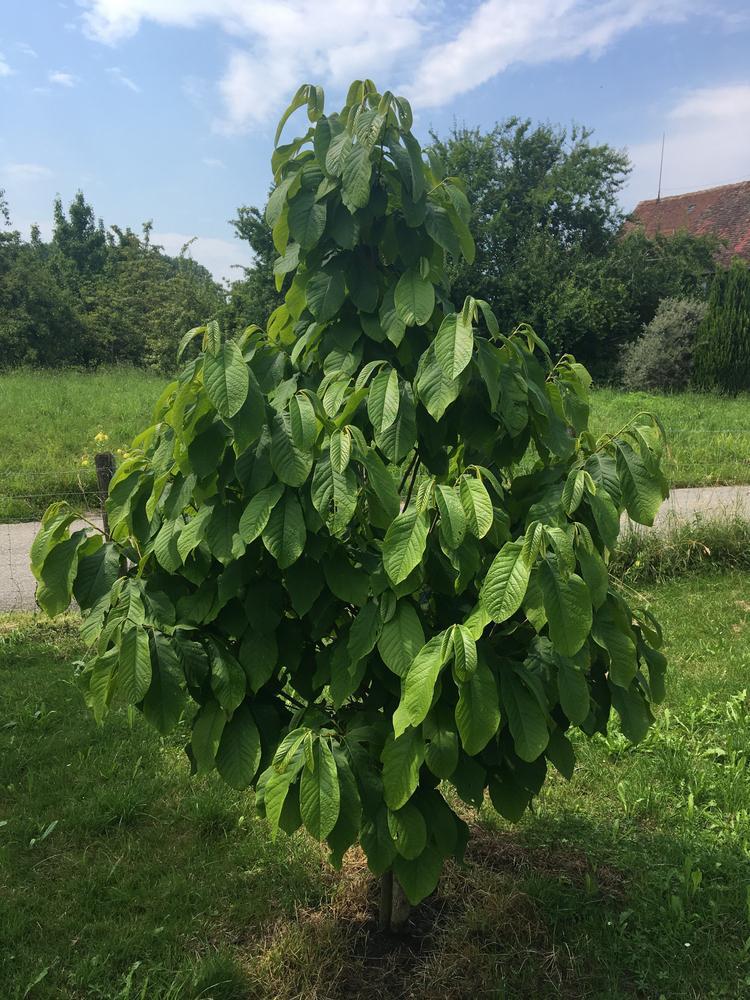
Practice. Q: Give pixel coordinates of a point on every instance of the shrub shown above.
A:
(662, 358)
(722, 354)
(334, 569)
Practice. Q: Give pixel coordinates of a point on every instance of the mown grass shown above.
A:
(122, 877)
(48, 422)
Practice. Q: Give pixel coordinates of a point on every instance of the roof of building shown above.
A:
(723, 212)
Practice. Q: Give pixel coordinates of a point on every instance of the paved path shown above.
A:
(17, 584)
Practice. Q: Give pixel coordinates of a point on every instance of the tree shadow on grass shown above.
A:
(534, 913)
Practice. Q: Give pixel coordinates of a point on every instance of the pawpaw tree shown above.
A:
(364, 553)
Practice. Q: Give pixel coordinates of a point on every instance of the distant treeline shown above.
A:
(550, 252)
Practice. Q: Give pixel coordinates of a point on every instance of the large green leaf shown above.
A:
(365, 632)
(408, 830)
(567, 604)
(325, 292)
(383, 400)
(573, 689)
(291, 464)
(435, 389)
(226, 378)
(477, 709)
(319, 796)
(355, 178)
(404, 544)
(441, 751)
(420, 876)
(526, 720)
(401, 639)
(57, 574)
(284, 535)
(612, 631)
(238, 756)
(414, 298)
(134, 664)
(307, 219)
(165, 699)
(334, 494)
(383, 485)
(402, 758)
(228, 681)
(454, 345)
(452, 516)
(208, 726)
(506, 582)
(95, 575)
(255, 516)
(419, 684)
(477, 506)
(641, 490)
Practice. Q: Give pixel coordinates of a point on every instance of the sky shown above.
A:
(165, 110)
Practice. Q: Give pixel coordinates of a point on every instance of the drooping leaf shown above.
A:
(285, 533)
(320, 797)
(567, 604)
(238, 755)
(226, 378)
(402, 758)
(506, 582)
(404, 544)
(134, 664)
(414, 298)
(477, 709)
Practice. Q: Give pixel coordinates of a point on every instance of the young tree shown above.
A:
(722, 354)
(334, 565)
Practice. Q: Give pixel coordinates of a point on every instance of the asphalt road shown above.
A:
(17, 584)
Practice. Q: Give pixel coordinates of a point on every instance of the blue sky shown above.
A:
(165, 109)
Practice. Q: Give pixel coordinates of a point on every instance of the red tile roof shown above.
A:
(723, 212)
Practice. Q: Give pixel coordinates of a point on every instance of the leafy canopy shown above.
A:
(334, 567)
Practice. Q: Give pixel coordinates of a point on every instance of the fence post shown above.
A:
(105, 469)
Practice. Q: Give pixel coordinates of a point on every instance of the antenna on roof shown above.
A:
(661, 165)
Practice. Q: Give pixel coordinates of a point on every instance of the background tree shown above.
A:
(332, 557)
(722, 355)
(547, 223)
(91, 296)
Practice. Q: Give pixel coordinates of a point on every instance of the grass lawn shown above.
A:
(48, 421)
(121, 877)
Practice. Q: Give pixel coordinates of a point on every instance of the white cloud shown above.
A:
(212, 161)
(276, 45)
(221, 257)
(5, 69)
(62, 79)
(432, 51)
(502, 33)
(117, 74)
(707, 143)
(26, 171)
(27, 50)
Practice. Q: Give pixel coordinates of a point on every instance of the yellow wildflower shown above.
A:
(100, 437)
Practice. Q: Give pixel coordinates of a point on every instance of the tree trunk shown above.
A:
(394, 906)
